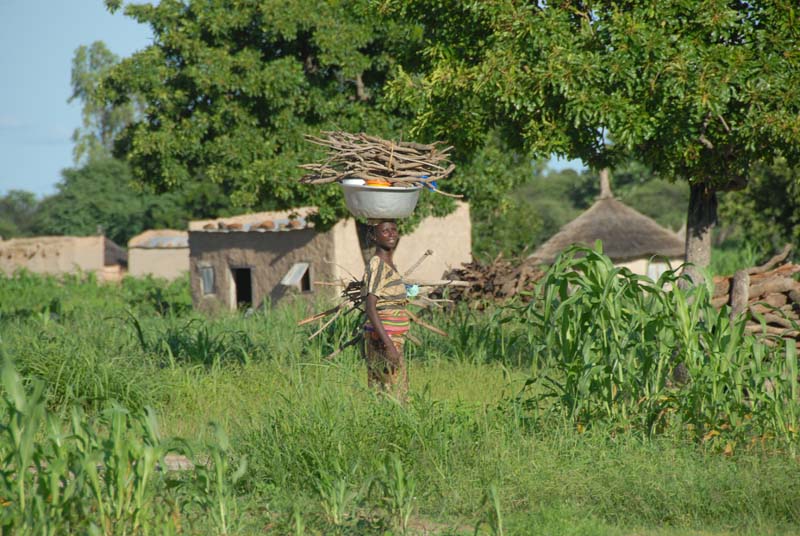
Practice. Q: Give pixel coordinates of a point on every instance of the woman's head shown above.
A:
(385, 235)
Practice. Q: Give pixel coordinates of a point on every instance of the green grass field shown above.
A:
(554, 417)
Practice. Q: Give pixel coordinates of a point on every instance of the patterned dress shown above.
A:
(387, 285)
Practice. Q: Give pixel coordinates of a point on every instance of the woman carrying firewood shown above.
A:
(387, 322)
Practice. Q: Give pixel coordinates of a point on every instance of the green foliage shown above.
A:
(17, 211)
(229, 93)
(396, 491)
(103, 475)
(766, 215)
(78, 480)
(536, 208)
(474, 445)
(98, 196)
(609, 339)
(699, 91)
(152, 295)
(101, 195)
(695, 90)
(102, 121)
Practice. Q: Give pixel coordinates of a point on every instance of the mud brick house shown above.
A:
(245, 260)
(56, 255)
(161, 253)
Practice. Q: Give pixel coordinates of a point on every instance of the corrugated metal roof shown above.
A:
(165, 242)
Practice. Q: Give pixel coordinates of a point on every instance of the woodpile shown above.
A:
(768, 294)
(497, 280)
(400, 163)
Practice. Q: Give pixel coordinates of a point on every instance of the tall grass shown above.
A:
(557, 416)
(102, 475)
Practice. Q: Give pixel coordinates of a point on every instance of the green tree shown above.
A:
(229, 91)
(695, 90)
(101, 196)
(17, 212)
(97, 197)
(766, 214)
(102, 121)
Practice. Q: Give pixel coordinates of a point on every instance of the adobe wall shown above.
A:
(53, 254)
(268, 254)
(449, 237)
(168, 263)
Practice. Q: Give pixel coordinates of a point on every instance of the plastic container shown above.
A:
(380, 202)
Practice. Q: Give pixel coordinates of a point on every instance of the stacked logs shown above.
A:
(768, 294)
(370, 158)
(497, 280)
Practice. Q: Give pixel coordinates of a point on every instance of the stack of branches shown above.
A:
(353, 298)
(496, 281)
(401, 163)
(768, 294)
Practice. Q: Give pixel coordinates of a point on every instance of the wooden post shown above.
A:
(740, 293)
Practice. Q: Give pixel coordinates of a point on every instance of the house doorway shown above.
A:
(243, 287)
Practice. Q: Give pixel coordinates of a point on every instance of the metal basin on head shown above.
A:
(379, 201)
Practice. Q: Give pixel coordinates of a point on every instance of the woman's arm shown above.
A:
(372, 313)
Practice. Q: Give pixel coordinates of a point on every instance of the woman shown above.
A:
(387, 319)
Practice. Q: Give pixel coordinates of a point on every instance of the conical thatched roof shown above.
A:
(626, 234)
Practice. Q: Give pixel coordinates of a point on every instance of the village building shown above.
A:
(630, 239)
(245, 260)
(57, 255)
(160, 253)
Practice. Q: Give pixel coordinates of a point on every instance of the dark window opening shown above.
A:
(305, 282)
(243, 283)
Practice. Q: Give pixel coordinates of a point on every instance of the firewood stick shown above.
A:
(779, 284)
(779, 321)
(442, 283)
(320, 315)
(424, 300)
(416, 320)
(786, 309)
(349, 343)
(414, 266)
(780, 257)
(772, 330)
(454, 196)
(325, 325)
(783, 270)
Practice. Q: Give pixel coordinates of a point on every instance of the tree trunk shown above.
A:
(700, 222)
(605, 184)
(367, 249)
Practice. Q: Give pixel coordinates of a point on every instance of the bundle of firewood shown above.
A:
(369, 158)
(497, 280)
(768, 294)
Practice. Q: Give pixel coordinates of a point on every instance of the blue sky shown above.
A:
(37, 42)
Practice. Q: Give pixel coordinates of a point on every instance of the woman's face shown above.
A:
(386, 235)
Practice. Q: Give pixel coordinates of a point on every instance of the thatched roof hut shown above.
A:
(628, 236)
